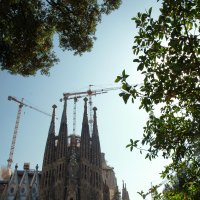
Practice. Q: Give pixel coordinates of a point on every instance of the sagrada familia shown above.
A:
(74, 168)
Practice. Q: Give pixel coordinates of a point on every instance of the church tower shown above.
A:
(60, 164)
(125, 195)
(85, 165)
(48, 172)
(96, 172)
(73, 171)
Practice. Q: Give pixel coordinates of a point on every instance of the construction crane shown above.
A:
(88, 93)
(21, 104)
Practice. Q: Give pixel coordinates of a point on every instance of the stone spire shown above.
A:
(13, 185)
(24, 185)
(96, 157)
(49, 158)
(85, 134)
(49, 154)
(85, 165)
(95, 128)
(85, 117)
(96, 149)
(125, 194)
(63, 133)
(52, 125)
(72, 170)
(35, 185)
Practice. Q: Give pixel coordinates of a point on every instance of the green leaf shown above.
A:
(118, 79)
(136, 60)
(140, 67)
(126, 97)
(150, 10)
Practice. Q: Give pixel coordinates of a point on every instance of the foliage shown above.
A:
(181, 186)
(27, 28)
(168, 55)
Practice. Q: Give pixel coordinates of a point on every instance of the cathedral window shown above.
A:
(93, 178)
(48, 158)
(96, 180)
(56, 143)
(22, 190)
(63, 152)
(50, 176)
(90, 176)
(60, 171)
(46, 177)
(33, 190)
(100, 181)
(63, 167)
(12, 190)
(85, 172)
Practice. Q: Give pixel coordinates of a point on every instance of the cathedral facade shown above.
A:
(73, 168)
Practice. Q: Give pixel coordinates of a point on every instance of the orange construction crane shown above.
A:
(21, 104)
(89, 93)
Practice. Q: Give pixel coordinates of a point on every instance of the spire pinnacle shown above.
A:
(85, 134)
(16, 166)
(85, 99)
(95, 148)
(64, 114)
(52, 125)
(62, 136)
(85, 118)
(95, 129)
(54, 107)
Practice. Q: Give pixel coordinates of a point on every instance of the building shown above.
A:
(125, 195)
(73, 168)
(23, 184)
(109, 177)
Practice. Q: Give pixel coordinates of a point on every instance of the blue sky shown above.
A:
(117, 122)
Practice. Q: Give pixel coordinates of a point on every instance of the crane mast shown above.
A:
(12, 148)
(21, 104)
(90, 107)
(74, 115)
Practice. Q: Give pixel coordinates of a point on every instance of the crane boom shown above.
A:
(88, 93)
(91, 92)
(21, 104)
(26, 105)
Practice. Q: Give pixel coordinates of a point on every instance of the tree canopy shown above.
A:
(167, 51)
(27, 28)
(178, 188)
